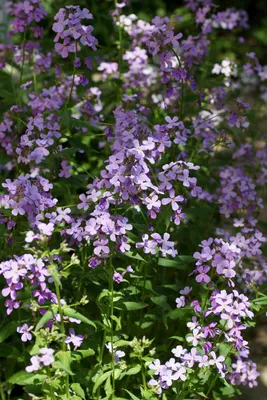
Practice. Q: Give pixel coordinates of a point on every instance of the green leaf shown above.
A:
(63, 361)
(26, 378)
(203, 395)
(180, 338)
(187, 259)
(144, 325)
(102, 378)
(7, 331)
(177, 313)
(136, 256)
(46, 317)
(161, 301)
(118, 322)
(66, 118)
(133, 397)
(69, 312)
(228, 391)
(225, 349)
(78, 390)
(164, 262)
(261, 300)
(8, 351)
(132, 305)
(134, 370)
(122, 343)
(80, 354)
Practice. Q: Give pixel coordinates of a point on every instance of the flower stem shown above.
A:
(3, 397)
(111, 289)
(73, 76)
(62, 327)
(217, 376)
(23, 56)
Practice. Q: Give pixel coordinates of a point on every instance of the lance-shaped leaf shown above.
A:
(70, 312)
(46, 317)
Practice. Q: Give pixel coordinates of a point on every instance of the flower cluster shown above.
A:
(28, 195)
(131, 179)
(71, 31)
(45, 359)
(25, 12)
(21, 272)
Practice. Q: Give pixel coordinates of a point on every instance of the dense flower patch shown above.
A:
(133, 256)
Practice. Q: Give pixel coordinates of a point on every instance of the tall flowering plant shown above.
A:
(133, 256)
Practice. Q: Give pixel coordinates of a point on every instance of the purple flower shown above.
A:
(47, 356)
(117, 277)
(196, 336)
(46, 229)
(216, 360)
(94, 262)
(25, 332)
(173, 200)
(64, 173)
(118, 354)
(74, 339)
(202, 276)
(101, 248)
(44, 359)
(180, 302)
(35, 364)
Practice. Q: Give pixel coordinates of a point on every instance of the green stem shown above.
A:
(143, 375)
(23, 56)
(50, 387)
(3, 397)
(182, 88)
(62, 328)
(73, 77)
(34, 82)
(83, 272)
(120, 92)
(217, 376)
(182, 100)
(101, 360)
(111, 288)
(121, 50)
